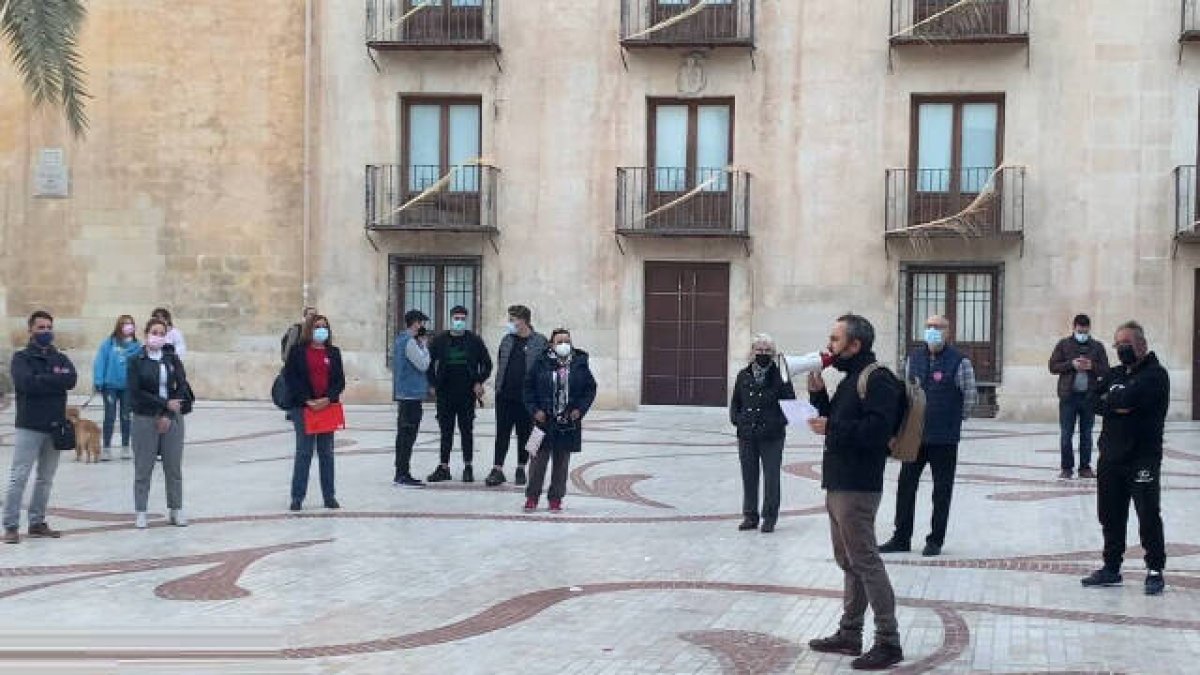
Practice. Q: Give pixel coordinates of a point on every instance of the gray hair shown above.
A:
(859, 328)
(762, 339)
(1139, 333)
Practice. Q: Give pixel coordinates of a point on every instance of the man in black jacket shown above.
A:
(857, 431)
(458, 366)
(42, 376)
(1133, 400)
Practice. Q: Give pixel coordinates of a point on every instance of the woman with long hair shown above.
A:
(315, 378)
(110, 378)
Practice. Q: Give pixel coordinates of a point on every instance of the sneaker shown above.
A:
(295, 505)
(555, 506)
(494, 478)
(177, 518)
(106, 455)
(1102, 577)
(125, 452)
(140, 521)
(1065, 474)
(43, 531)
(894, 545)
(520, 477)
(530, 505)
(12, 535)
(332, 503)
(407, 481)
(881, 657)
(1086, 472)
(439, 474)
(748, 524)
(468, 474)
(931, 549)
(1155, 582)
(838, 643)
(768, 526)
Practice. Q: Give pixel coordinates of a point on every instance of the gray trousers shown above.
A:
(147, 445)
(558, 474)
(852, 528)
(31, 446)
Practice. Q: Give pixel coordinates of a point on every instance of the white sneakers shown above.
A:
(140, 523)
(177, 518)
(125, 452)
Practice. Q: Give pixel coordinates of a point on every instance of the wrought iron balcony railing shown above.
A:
(948, 202)
(461, 199)
(432, 24)
(1185, 203)
(948, 21)
(687, 23)
(683, 202)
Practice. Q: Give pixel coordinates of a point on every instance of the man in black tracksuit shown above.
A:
(1133, 400)
(458, 366)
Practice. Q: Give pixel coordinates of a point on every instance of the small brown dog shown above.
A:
(87, 436)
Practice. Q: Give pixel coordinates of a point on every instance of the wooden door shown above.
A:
(686, 339)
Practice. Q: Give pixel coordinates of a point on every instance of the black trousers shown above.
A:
(408, 423)
(457, 408)
(558, 474)
(512, 413)
(768, 454)
(942, 460)
(1116, 485)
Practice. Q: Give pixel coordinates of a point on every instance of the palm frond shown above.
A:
(965, 17)
(43, 36)
(969, 222)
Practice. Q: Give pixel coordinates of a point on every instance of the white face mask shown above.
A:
(563, 349)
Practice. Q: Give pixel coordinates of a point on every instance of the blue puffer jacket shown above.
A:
(108, 370)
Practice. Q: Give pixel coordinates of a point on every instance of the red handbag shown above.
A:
(324, 421)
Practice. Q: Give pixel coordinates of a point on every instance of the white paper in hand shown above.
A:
(535, 441)
(798, 412)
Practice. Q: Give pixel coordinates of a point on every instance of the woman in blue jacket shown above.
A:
(559, 390)
(109, 378)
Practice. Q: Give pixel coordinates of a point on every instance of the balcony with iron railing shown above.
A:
(1189, 20)
(687, 23)
(430, 198)
(949, 21)
(432, 24)
(984, 203)
(683, 202)
(1186, 228)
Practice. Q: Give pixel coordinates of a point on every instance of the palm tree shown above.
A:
(43, 36)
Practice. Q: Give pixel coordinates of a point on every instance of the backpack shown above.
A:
(281, 396)
(905, 444)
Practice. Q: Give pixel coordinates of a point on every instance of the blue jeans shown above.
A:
(305, 444)
(114, 399)
(1070, 408)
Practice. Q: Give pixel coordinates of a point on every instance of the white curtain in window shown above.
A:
(973, 308)
(979, 121)
(420, 292)
(459, 288)
(928, 298)
(464, 146)
(935, 134)
(424, 145)
(712, 146)
(670, 148)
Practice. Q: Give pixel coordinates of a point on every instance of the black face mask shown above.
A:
(841, 362)
(764, 360)
(1126, 354)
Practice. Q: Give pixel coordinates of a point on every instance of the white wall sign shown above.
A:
(50, 174)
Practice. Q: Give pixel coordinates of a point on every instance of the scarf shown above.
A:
(759, 372)
(562, 386)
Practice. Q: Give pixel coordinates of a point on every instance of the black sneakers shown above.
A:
(894, 545)
(332, 503)
(496, 477)
(520, 477)
(748, 524)
(1102, 577)
(1155, 582)
(838, 643)
(442, 473)
(468, 474)
(881, 657)
(407, 481)
(931, 549)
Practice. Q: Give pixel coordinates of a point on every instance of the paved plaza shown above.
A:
(644, 571)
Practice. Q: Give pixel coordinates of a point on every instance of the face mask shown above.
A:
(155, 342)
(934, 337)
(458, 324)
(511, 327)
(1127, 354)
(1081, 338)
(321, 334)
(764, 360)
(127, 329)
(44, 339)
(563, 349)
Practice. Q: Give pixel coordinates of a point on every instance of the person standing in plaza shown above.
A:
(857, 431)
(459, 365)
(292, 335)
(109, 377)
(558, 394)
(42, 376)
(518, 352)
(1132, 400)
(410, 360)
(161, 396)
(761, 431)
(175, 342)
(948, 379)
(316, 380)
(1080, 362)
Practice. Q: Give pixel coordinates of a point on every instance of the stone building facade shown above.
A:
(663, 177)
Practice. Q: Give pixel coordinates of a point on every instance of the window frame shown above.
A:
(907, 321)
(444, 102)
(956, 142)
(693, 105)
(395, 291)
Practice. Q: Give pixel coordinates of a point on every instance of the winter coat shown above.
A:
(754, 408)
(858, 430)
(539, 397)
(42, 378)
(109, 370)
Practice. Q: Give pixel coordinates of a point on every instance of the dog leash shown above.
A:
(87, 402)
